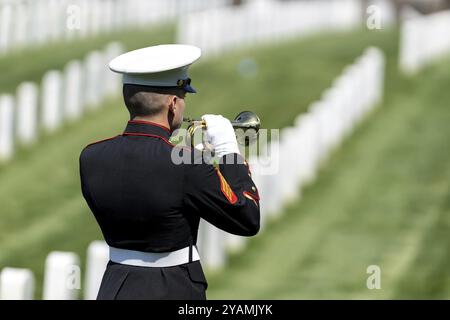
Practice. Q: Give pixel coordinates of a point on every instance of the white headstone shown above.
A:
(334, 99)
(53, 25)
(84, 12)
(51, 100)
(96, 17)
(97, 259)
(118, 16)
(5, 27)
(34, 23)
(304, 173)
(27, 103)
(312, 141)
(283, 190)
(73, 96)
(113, 81)
(94, 65)
(234, 243)
(42, 27)
(16, 284)
(108, 15)
(201, 237)
(378, 71)
(273, 157)
(62, 276)
(213, 250)
(21, 24)
(6, 127)
(259, 181)
(411, 45)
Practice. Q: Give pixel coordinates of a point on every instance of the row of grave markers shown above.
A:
(221, 29)
(63, 96)
(281, 170)
(62, 276)
(25, 23)
(289, 163)
(423, 39)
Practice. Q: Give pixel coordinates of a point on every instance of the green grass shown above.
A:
(289, 76)
(334, 228)
(31, 64)
(382, 199)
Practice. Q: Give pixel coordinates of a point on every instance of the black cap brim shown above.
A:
(189, 88)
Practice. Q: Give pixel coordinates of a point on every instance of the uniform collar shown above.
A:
(147, 127)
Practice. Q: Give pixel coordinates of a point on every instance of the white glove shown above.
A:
(220, 134)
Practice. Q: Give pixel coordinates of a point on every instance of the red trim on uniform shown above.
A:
(248, 196)
(148, 135)
(226, 189)
(102, 140)
(150, 123)
(248, 168)
(252, 195)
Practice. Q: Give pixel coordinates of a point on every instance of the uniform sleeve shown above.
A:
(84, 188)
(225, 196)
(82, 181)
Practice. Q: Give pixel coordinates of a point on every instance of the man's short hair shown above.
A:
(147, 101)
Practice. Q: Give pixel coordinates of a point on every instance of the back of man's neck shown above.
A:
(156, 120)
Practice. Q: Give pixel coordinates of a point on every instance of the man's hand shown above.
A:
(220, 134)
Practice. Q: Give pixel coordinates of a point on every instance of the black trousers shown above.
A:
(124, 282)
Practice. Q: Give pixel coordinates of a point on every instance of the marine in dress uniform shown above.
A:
(148, 206)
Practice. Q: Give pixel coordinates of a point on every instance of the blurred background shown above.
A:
(364, 132)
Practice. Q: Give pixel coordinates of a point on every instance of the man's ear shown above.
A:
(172, 103)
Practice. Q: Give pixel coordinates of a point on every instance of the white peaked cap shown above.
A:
(158, 66)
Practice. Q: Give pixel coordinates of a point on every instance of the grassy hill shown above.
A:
(383, 199)
(371, 205)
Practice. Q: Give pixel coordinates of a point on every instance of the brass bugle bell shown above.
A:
(247, 122)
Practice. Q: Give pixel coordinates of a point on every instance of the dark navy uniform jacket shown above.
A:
(144, 201)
